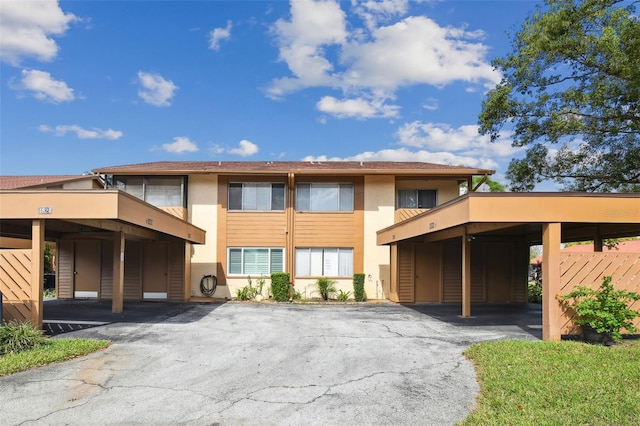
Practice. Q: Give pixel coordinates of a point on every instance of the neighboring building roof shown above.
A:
(632, 246)
(22, 182)
(300, 167)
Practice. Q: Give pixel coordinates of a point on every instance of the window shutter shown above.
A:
(235, 261)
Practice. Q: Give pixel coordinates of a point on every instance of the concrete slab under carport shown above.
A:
(537, 218)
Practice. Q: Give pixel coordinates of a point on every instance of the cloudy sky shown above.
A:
(87, 84)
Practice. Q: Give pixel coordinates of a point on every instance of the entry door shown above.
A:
(154, 271)
(427, 261)
(87, 269)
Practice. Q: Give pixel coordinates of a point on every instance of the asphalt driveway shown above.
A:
(242, 363)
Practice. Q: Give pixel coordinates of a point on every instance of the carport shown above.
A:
(476, 249)
(78, 221)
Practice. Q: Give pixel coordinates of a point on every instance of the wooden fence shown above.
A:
(589, 269)
(15, 285)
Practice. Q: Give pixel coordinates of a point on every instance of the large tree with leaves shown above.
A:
(570, 93)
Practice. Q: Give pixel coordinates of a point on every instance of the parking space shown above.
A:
(243, 363)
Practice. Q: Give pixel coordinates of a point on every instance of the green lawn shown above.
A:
(556, 383)
(53, 350)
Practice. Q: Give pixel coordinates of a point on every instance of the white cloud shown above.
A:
(27, 28)
(219, 34)
(356, 108)
(245, 149)
(322, 51)
(465, 139)
(82, 133)
(404, 154)
(431, 104)
(179, 145)
(155, 89)
(44, 87)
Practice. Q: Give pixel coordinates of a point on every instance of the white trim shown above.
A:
(154, 295)
(85, 294)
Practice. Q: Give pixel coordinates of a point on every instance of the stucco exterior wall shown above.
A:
(203, 212)
(379, 206)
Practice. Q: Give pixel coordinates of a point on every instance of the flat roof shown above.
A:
(110, 210)
(297, 167)
(479, 212)
(16, 182)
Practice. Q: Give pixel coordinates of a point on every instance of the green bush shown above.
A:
(325, 287)
(358, 287)
(280, 286)
(535, 292)
(19, 336)
(343, 296)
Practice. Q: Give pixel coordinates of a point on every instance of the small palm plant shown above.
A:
(325, 287)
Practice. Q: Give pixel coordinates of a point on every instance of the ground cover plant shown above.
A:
(553, 383)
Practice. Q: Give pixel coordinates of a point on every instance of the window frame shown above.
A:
(348, 273)
(242, 263)
(339, 186)
(120, 181)
(417, 197)
(256, 184)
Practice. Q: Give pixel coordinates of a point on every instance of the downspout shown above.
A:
(290, 250)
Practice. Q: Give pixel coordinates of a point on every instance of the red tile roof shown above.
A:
(17, 182)
(321, 167)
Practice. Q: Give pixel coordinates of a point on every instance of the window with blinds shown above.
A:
(417, 198)
(255, 261)
(256, 196)
(324, 262)
(324, 197)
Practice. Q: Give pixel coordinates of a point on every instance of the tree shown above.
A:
(494, 186)
(570, 93)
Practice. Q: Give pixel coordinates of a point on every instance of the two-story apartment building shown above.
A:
(310, 219)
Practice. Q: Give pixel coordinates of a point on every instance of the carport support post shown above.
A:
(37, 271)
(551, 310)
(466, 276)
(117, 301)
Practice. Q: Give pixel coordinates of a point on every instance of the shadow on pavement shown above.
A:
(63, 316)
(525, 317)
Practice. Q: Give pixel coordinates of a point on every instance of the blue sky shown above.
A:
(87, 84)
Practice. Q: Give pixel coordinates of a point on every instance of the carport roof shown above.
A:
(91, 211)
(613, 215)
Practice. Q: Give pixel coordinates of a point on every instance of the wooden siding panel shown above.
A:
(589, 269)
(106, 277)
(325, 230)
(452, 272)
(405, 274)
(133, 270)
(64, 280)
(176, 271)
(179, 212)
(15, 285)
(256, 229)
(478, 293)
(404, 214)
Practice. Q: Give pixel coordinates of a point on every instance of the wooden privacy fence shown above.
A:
(589, 269)
(15, 285)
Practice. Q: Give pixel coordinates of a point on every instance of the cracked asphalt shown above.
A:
(243, 363)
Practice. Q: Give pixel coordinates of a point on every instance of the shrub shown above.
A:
(535, 292)
(343, 296)
(280, 286)
(325, 287)
(248, 292)
(358, 287)
(19, 336)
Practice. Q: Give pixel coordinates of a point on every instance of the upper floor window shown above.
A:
(160, 191)
(256, 196)
(324, 197)
(417, 198)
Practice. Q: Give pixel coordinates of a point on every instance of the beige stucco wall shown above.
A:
(379, 207)
(447, 189)
(203, 212)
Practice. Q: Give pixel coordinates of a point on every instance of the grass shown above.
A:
(53, 350)
(553, 383)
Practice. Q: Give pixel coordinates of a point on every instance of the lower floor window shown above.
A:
(255, 261)
(328, 262)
